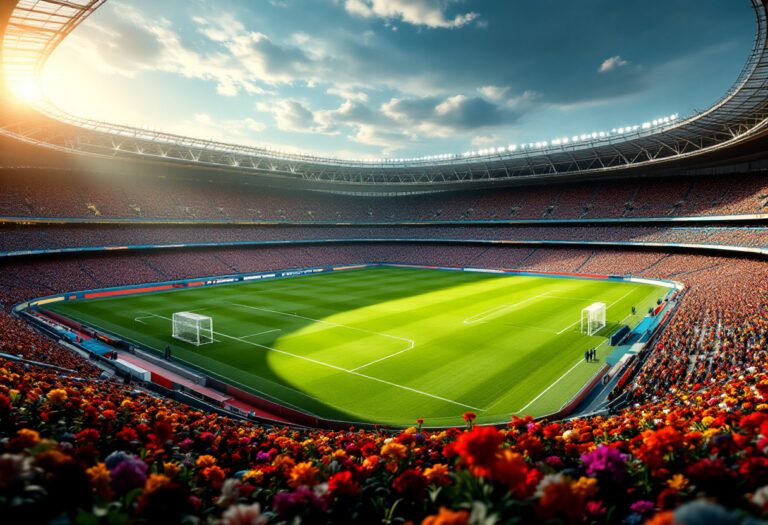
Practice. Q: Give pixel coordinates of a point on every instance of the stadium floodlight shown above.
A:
(593, 318)
(192, 328)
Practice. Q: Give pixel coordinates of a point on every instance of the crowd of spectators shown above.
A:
(15, 238)
(695, 431)
(693, 447)
(29, 192)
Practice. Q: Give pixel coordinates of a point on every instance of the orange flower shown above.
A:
(662, 518)
(438, 474)
(677, 482)
(205, 461)
(27, 437)
(585, 487)
(284, 463)
(394, 451)
(57, 396)
(303, 474)
(156, 481)
(99, 475)
(171, 469)
(215, 475)
(370, 463)
(447, 517)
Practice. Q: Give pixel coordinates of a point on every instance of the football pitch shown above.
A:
(388, 345)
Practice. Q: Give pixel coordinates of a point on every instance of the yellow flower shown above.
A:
(394, 451)
(707, 421)
(254, 476)
(57, 396)
(303, 473)
(205, 461)
(677, 482)
(585, 487)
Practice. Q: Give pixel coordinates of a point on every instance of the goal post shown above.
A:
(593, 318)
(192, 328)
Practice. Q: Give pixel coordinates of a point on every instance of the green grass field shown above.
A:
(388, 345)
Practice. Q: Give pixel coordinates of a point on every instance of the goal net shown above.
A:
(593, 318)
(192, 328)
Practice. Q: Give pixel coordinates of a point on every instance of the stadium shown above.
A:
(199, 330)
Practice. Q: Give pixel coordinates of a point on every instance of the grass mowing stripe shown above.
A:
(342, 319)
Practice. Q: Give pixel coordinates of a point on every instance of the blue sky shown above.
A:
(398, 78)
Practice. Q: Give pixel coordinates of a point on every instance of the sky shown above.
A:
(397, 78)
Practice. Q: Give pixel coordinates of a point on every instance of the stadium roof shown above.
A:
(36, 27)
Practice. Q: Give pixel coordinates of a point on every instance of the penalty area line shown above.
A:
(340, 369)
(579, 362)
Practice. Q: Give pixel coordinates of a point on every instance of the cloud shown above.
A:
(204, 125)
(291, 115)
(494, 92)
(482, 140)
(609, 64)
(428, 13)
(440, 117)
(348, 94)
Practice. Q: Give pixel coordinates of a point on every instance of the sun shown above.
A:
(27, 89)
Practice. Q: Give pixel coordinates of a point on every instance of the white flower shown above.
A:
(244, 515)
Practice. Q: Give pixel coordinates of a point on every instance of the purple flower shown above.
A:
(605, 462)
(115, 458)
(301, 502)
(642, 507)
(128, 474)
(262, 456)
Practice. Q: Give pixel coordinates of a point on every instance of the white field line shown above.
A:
(613, 303)
(324, 322)
(411, 342)
(499, 310)
(262, 333)
(265, 394)
(580, 361)
(379, 360)
(340, 369)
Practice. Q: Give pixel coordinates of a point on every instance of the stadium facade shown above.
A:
(730, 136)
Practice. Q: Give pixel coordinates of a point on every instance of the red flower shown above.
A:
(342, 484)
(89, 435)
(410, 483)
(478, 448)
